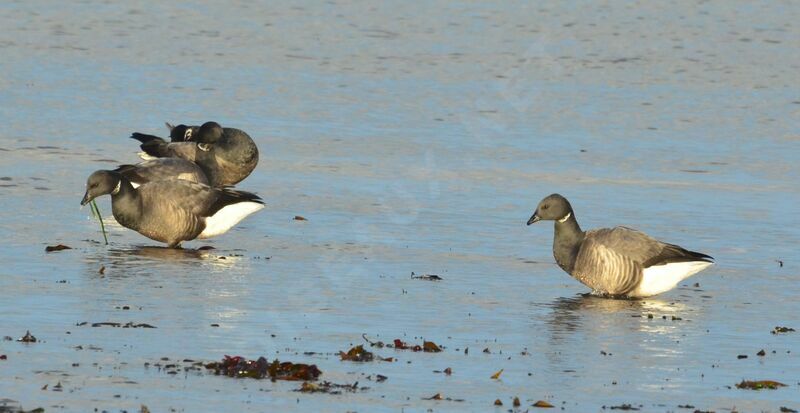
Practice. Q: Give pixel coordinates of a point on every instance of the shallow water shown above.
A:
(415, 137)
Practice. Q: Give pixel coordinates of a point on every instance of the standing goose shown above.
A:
(226, 155)
(616, 261)
(173, 210)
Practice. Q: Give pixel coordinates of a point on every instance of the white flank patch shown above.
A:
(134, 185)
(660, 278)
(227, 217)
(145, 156)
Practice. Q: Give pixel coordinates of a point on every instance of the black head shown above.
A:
(101, 183)
(209, 133)
(180, 133)
(553, 207)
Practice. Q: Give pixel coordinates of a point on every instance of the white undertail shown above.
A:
(227, 217)
(660, 278)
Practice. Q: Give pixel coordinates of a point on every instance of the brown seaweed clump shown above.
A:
(236, 366)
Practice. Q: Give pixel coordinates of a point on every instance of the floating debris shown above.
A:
(329, 388)
(759, 385)
(236, 366)
(378, 344)
(358, 353)
(543, 404)
(378, 378)
(59, 247)
(426, 277)
(129, 324)
(741, 356)
(779, 329)
(761, 353)
(27, 338)
(498, 402)
(496, 375)
(516, 402)
(300, 218)
(623, 406)
(787, 410)
(427, 346)
(438, 396)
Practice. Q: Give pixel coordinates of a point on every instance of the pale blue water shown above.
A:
(414, 137)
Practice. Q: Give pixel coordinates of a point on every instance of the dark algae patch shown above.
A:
(236, 366)
(27, 338)
(427, 346)
(543, 405)
(779, 330)
(129, 324)
(359, 354)
(759, 385)
(59, 247)
(426, 277)
(624, 406)
(329, 388)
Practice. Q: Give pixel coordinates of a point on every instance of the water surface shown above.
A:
(415, 137)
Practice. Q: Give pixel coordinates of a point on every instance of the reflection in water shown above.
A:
(137, 260)
(572, 314)
(209, 281)
(624, 322)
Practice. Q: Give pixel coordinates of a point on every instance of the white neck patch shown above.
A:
(563, 220)
(188, 134)
(116, 189)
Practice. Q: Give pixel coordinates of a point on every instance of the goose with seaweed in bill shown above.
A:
(172, 210)
(226, 155)
(620, 261)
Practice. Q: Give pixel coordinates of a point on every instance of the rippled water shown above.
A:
(414, 137)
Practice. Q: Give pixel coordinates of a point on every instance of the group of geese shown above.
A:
(183, 190)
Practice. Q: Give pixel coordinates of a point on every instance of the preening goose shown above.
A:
(226, 155)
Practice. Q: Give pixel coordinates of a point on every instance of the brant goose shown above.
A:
(226, 155)
(172, 210)
(616, 261)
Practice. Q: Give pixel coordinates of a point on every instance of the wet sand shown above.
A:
(414, 137)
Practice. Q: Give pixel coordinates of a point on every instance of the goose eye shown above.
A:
(545, 206)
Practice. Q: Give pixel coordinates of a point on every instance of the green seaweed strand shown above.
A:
(96, 212)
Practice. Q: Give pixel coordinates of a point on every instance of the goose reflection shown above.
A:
(143, 260)
(587, 312)
(573, 323)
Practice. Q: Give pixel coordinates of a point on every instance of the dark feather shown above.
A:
(151, 145)
(673, 253)
(130, 173)
(231, 196)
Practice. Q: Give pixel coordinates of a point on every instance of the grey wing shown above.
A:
(177, 208)
(194, 197)
(183, 150)
(170, 168)
(629, 242)
(605, 269)
(643, 248)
